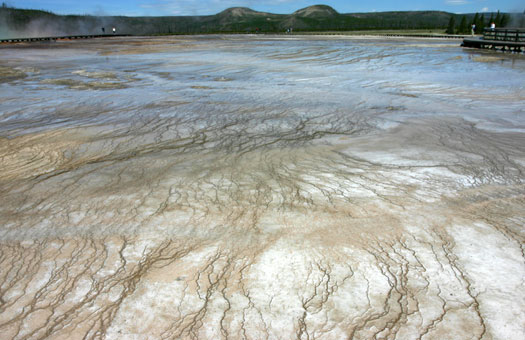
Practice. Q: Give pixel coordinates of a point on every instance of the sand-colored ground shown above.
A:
(226, 188)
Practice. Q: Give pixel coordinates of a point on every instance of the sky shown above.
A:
(204, 7)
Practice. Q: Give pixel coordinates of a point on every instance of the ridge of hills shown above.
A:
(36, 23)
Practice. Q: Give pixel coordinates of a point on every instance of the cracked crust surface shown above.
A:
(274, 188)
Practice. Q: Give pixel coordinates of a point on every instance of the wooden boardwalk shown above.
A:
(506, 39)
(65, 37)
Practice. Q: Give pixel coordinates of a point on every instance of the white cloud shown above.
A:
(456, 2)
(485, 9)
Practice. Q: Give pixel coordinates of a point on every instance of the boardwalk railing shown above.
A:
(506, 39)
(504, 34)
(66, 37)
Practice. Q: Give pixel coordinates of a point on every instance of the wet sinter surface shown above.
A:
(248, 187)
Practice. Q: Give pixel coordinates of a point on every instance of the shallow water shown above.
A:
(261, 187)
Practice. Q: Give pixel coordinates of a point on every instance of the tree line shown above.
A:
(480, 21)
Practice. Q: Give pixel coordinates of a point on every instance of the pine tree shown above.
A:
(463, 29)
(497, 21)
(481, 23)
(476, 19)
(451, 29)
(505, 19)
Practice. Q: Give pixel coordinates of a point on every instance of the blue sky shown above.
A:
(202, 7)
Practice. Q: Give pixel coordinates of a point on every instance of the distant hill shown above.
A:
(317, 11)
(32, 23)
(240, 12)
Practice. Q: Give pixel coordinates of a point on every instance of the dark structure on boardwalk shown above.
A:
(511, 39)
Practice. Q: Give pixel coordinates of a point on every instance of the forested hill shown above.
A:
(22, 22)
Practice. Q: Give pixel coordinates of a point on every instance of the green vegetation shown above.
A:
(465, 26)
(319, 18)
(412, 32)
(451, 28)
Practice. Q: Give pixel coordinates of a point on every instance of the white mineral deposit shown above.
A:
(261, 187)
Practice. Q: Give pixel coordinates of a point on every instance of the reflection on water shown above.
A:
(261, 187)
